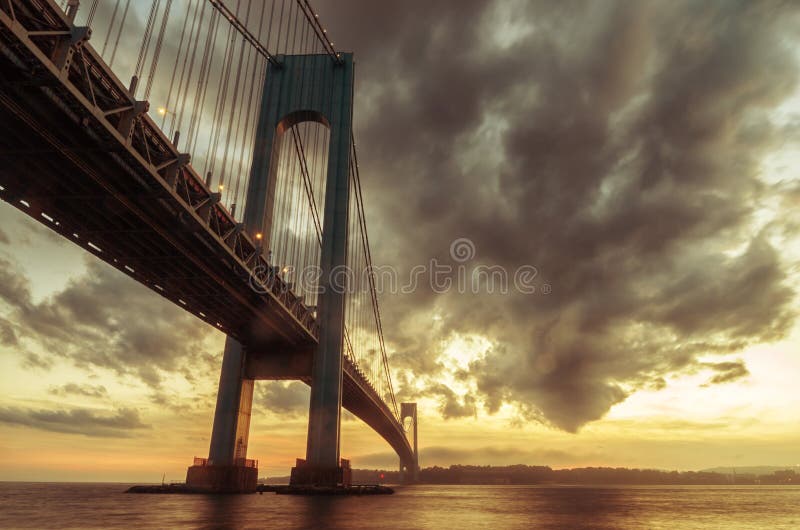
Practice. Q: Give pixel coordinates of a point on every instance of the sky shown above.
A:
(640, 157)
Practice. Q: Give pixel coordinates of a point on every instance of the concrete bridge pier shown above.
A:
(409, 470)
(323, 465)
(319, 89)
(227, 470)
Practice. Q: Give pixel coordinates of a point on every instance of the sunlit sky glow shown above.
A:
(557, 123)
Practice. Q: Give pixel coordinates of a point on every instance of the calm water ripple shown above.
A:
(39, 505)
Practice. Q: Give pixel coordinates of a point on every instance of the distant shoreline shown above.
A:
(583, 476)
(539, 476)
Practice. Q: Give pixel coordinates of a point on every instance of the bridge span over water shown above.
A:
(237, 198)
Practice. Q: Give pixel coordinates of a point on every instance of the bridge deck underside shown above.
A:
(63, 164)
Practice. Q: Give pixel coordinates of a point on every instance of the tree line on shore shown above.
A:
(523, 474)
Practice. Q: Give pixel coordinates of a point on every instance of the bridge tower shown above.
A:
(297, 89)
(184, 241)
(410, 470)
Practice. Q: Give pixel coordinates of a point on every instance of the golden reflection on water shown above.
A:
(26, 505)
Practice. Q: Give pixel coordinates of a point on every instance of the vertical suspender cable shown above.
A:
(174, 115)
(92, 11)
(271, 18)
(110, 27)
(204, 80)
(259, 69)
(119, 32)
(157, 51)
(145, 46)
(195, 30)
(168, 103)
(244, 107)
(280, 28)
(234, 102)
(222, 93)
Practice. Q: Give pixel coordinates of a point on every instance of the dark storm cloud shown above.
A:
(615, 146)
(104, 319)
(117, 424)
(443, 456)
(451, 405)
(7, 335)
(75, 389)
(281, 397)
(14, 288)
(727, 372)
(35, 362)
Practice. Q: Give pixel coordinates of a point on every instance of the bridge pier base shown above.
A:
(307, 474)
(222, 479)
(227, 469)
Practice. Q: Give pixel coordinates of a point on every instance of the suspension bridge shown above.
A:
(223, 175)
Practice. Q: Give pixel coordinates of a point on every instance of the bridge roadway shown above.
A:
(81, 156)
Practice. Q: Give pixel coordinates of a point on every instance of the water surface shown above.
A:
(42, 505)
